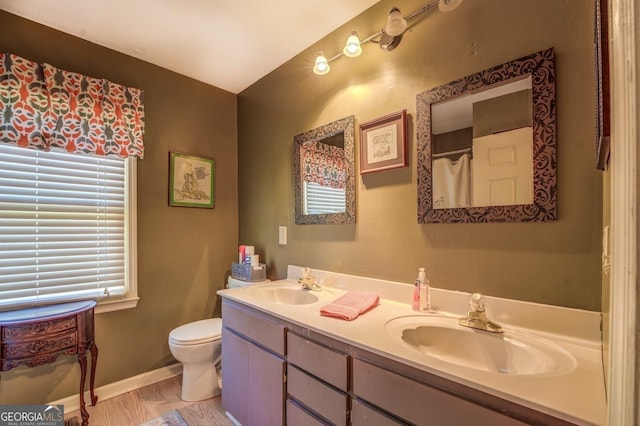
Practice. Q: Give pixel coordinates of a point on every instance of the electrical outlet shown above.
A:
(282, 235)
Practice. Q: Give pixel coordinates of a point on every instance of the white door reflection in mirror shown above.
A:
(502, 171)
(483, 123)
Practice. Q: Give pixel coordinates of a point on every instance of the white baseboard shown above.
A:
(72, 403)
(233, 419)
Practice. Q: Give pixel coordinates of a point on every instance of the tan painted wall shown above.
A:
(184, 253)
(556, 263)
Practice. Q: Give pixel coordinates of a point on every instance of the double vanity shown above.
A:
(284, 363)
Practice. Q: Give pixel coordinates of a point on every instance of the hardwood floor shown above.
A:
(144, 404)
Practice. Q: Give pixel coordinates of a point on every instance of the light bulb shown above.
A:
(322, 65)
(352, 48)
(396, 24)
(448, 5)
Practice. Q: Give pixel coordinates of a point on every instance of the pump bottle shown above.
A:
(424, 292)
(421, 297)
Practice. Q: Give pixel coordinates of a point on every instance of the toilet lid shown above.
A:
(197, 332)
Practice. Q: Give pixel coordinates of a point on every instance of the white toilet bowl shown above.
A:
(197, 345)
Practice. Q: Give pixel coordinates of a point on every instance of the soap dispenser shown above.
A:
(418, 291)
(424, 296)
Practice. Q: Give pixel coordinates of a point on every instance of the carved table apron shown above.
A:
(37, 336)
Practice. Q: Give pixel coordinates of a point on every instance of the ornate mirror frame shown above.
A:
(541, 67)
(344, 125)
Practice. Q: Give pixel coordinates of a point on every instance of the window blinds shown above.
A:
(62, 227)
(319, 199)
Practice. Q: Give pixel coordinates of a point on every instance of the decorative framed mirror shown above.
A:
(487, 145)
(324, 174)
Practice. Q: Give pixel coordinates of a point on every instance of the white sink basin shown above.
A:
(284, 295)
(510, 352)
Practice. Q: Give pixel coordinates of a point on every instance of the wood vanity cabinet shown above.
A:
(275, 373)
(253, 366)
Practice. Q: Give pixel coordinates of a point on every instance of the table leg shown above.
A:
(82, 359)
(94, 361)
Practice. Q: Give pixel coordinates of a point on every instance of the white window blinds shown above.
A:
(319, 199)
(62, 227)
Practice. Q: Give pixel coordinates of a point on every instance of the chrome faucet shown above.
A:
(476, 317)
(308, 281)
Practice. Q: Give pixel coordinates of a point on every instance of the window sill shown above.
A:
(116, 305)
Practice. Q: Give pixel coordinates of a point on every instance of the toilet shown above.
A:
(198, 346)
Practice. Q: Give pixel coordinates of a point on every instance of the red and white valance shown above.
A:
(44, 107)
(323, 164)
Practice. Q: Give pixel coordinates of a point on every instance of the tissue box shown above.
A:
(248, 272)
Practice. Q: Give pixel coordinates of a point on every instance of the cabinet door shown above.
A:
(252, 382)
(266, 395)
(235, 376)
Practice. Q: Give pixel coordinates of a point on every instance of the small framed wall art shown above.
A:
(191, 180)
(383, 143)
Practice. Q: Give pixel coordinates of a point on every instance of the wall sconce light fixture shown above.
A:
(387, 38)
(352, 48)
(396, 24)
(322, 65)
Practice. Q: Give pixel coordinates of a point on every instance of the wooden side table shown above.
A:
(37, 336)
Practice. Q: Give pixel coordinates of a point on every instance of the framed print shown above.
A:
(191, 180)
(383, 143)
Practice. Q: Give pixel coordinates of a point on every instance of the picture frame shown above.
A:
(383, 143)
(191, 180)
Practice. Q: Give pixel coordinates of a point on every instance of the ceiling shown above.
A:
(227, 44)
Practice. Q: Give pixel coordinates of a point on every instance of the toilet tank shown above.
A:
(235, 283)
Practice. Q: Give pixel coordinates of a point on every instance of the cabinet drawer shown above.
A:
(363, 415)
(37, 329)
(320, 398)
(324, 363)
(30, 348)
(261, 329)
(296, 415)
(417, 402)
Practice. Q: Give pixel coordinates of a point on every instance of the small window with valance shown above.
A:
(68, 150)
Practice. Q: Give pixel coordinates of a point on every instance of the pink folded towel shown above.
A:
(350, 305)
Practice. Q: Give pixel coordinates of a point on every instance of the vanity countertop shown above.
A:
(577, 395)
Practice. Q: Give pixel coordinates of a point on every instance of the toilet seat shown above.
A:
(197, 332)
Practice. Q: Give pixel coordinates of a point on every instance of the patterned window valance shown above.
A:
(44, 107)
(323, 164)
